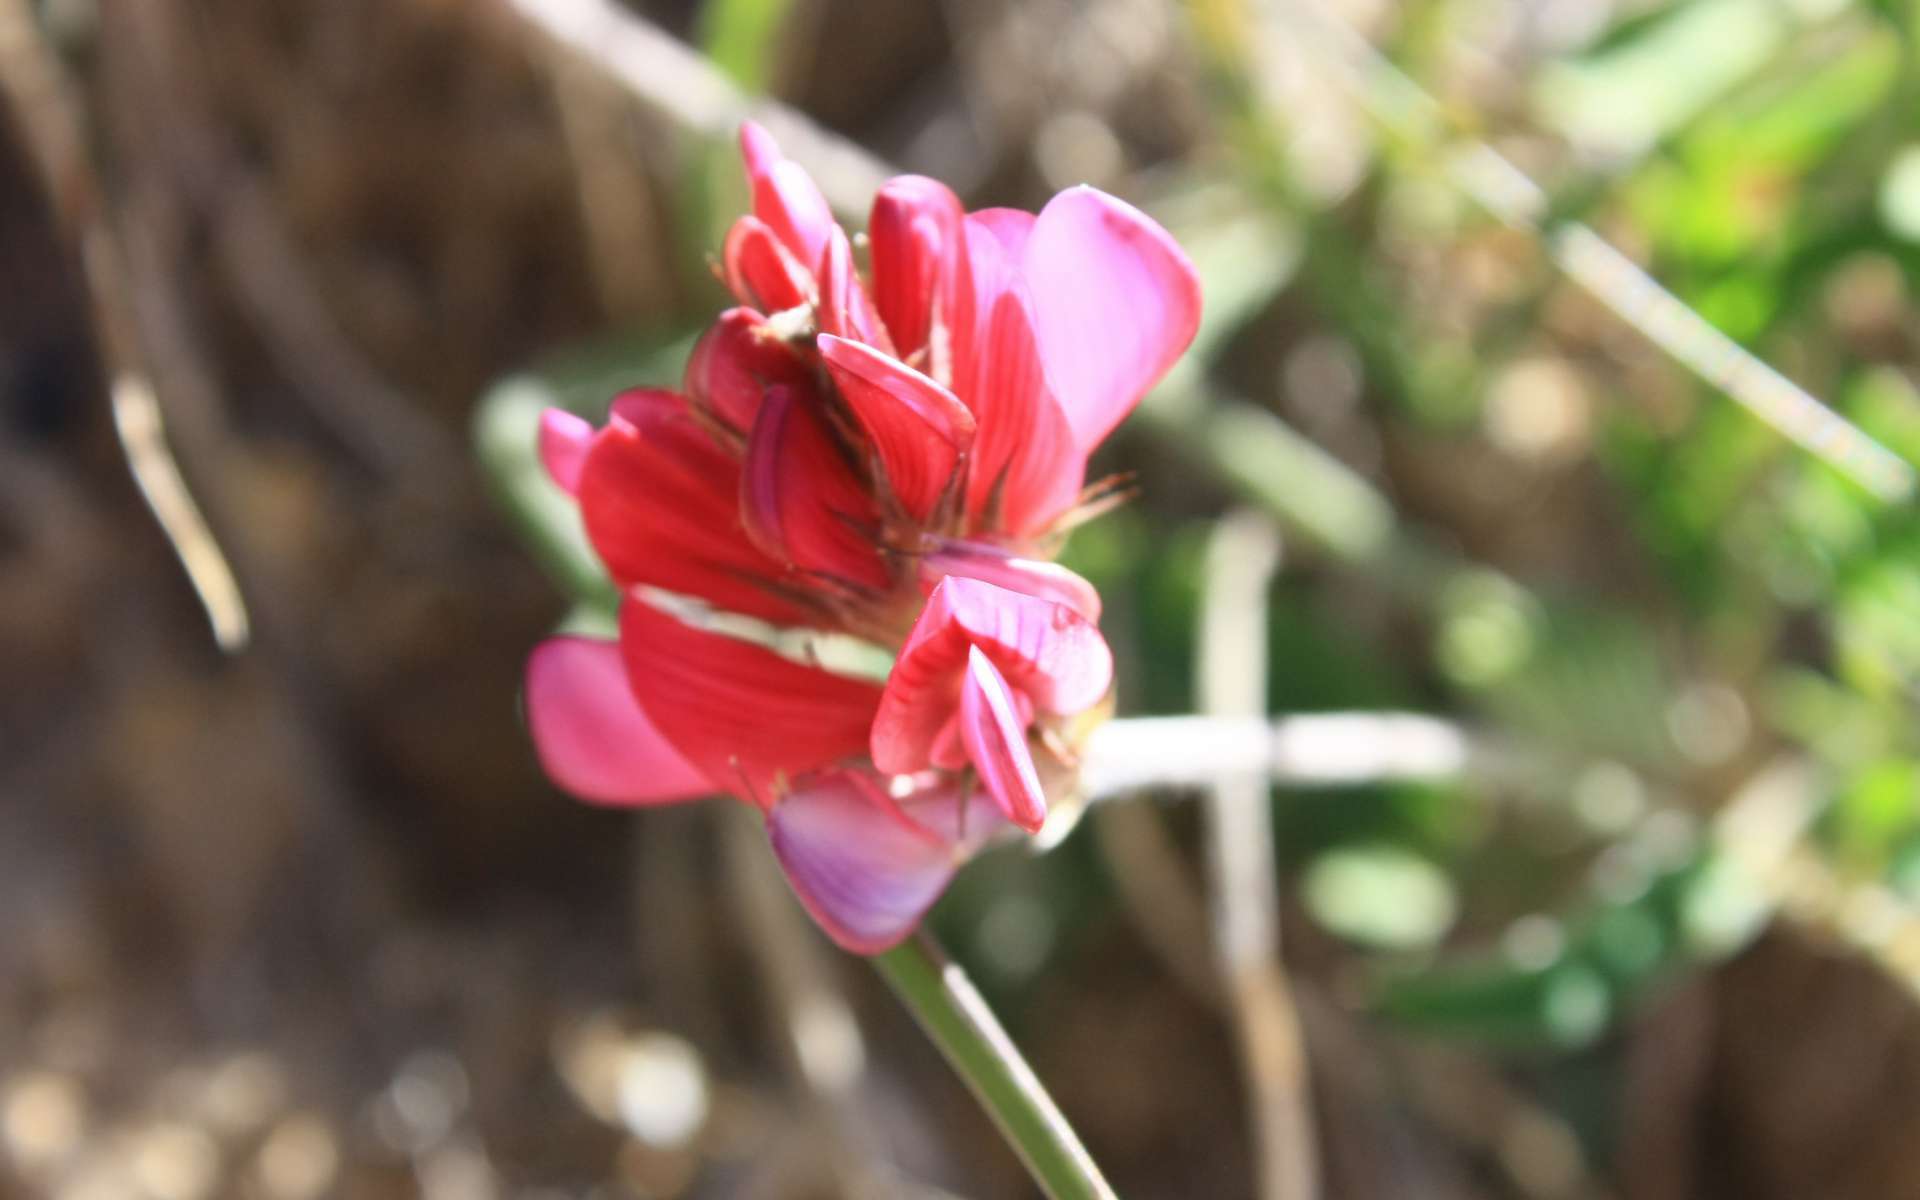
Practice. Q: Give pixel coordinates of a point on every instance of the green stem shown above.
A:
(955, 1016)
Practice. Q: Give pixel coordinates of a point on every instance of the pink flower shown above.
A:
(896, 464)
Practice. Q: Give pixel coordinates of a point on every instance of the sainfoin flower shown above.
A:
(891, 458)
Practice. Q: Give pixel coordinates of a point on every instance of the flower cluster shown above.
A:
(893, 458)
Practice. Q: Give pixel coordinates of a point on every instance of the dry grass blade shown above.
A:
(681, 85)
(49, 118)
(1241, 560)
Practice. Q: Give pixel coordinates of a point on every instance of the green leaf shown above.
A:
(742, 37)
(1380, 895)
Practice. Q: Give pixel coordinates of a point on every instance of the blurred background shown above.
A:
(288, 911)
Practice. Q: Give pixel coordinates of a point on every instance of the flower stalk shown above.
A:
(956, 1017)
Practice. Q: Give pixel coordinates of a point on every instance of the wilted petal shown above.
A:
(761, 271)
(1035, 577)
(920, 277)
(918, 428)
(735, 361)
(591, 734)
(1047, 652)
(801, 500)
(564, 441)
(845, 310)
(1027, 469)
(784, 195)
(744, 716)
(661, 504)
(1115, 301)
(864, 872)
(996, 739)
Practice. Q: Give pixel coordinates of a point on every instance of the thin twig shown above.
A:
(1241, 560)
(1133, 754)
(677, 82)
(55, 135)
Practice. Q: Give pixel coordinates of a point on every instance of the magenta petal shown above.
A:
(785, 196)
(762, 272)
(845, 311)
(1027, 468)
(918, 428)
(1047, 580)
(661, 503)
(919, 260)
(953, 811)
(1009, 226)
(801, 500)
(864, 872)
(590, 733)
(564, 441)
(996, 740)
(1047, 653)
(734, 362)
(1115, 303)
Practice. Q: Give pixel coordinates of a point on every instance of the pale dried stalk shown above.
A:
(691, 93)
(1241, 560)
(54, 132)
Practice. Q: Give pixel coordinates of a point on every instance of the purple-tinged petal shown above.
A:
(564, 441)
(785, 196)
(801, 501)
(1035, 577)
(592, 737)
(746, 717)
(1049, 655)
(996, 739)
(863, 871)
(1115, 303)
(918, 428)
(952, 810)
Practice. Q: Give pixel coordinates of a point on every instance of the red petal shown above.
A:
(918, 428)
(784, 195)
(1027, 469)
(996, 740)
(734, 362)
(920, 276)
(978, 560)
(801, 500)
(564, 442)
(1116, 301)
(864, 872)
(743, 715)
(845, 310)
(1046, 651)
(762, 272)
(661, 503)
(591, 735)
